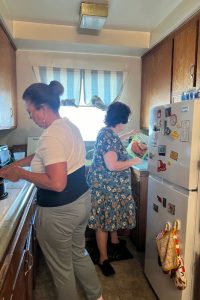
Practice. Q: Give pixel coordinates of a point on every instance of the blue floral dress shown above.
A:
(113, 206)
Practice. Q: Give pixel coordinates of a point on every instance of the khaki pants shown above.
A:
(61, 235)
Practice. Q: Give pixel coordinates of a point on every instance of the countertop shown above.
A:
(142, 167)
(11, 210)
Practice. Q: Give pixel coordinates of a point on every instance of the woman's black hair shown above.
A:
(117, 113)
(42, 93)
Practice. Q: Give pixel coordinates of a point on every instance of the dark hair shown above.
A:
(117, 113)
(42, 93)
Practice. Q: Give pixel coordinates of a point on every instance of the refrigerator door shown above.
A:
(167, 204)
(174, 138)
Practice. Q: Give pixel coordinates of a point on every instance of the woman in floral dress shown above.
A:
(109, 179)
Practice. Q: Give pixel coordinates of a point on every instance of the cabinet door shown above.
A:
(146, 92)
(156, 79)
(7, 83)
(184, 59)
(29, 265)
(198, 60)
(19, 289)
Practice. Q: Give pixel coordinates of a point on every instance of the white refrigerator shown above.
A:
(174, 163)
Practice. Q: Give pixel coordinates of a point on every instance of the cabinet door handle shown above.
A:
(29, 262)
(192, 71)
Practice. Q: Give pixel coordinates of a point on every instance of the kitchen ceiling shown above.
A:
(132, 26)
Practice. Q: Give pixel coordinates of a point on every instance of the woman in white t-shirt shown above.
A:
(58, 171)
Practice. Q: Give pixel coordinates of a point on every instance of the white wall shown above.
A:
(26, 59)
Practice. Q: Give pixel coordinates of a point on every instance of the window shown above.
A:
(88, 119)
(80, 86)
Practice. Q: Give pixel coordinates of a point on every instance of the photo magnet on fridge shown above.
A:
(168, 111)
(162, 150)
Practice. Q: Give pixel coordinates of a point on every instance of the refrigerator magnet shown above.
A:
(155, 207)
(159, 199)
(159, 113)
(174, 155)
(168, 112)
(174, 135)
(184, 137)
(173, 119)
(171, 208)
(161, 166)
(162, 150)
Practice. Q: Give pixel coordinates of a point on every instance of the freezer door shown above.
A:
(166, 204)
(174, 138)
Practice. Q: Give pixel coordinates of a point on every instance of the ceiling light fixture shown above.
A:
(93, 16)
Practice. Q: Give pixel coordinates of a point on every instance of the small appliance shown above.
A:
(4, 159)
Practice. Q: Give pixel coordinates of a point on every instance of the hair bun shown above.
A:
(57, 87)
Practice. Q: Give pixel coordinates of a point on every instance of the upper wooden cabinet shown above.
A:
(7, 82)
(184, 58)
(156, 79)
(171, 68)
(198, 59)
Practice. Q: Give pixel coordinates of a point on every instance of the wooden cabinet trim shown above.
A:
(17, 248)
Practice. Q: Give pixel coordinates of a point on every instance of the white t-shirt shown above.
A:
(60, 142)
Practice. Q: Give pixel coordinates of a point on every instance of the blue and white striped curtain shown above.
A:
(107, 85)
(70, 78)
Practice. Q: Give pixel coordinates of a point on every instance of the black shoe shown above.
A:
(106, 268)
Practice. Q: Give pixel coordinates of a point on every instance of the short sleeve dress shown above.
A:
(113, 206)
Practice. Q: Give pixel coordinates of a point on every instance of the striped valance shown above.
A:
(106, 85)
(70, 79)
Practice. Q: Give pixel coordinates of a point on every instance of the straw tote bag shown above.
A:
(166, 247)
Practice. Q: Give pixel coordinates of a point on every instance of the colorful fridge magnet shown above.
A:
(173, 119)
(162, 150)
(174, 155)
(159, 113)
(161, 166)
(168, 112)
(174, 134)
(167, 131)
(184, 137)
(154, 140)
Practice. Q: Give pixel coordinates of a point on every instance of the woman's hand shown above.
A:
(11, 173)
(136, 161)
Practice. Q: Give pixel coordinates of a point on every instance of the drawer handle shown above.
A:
(29, 262)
